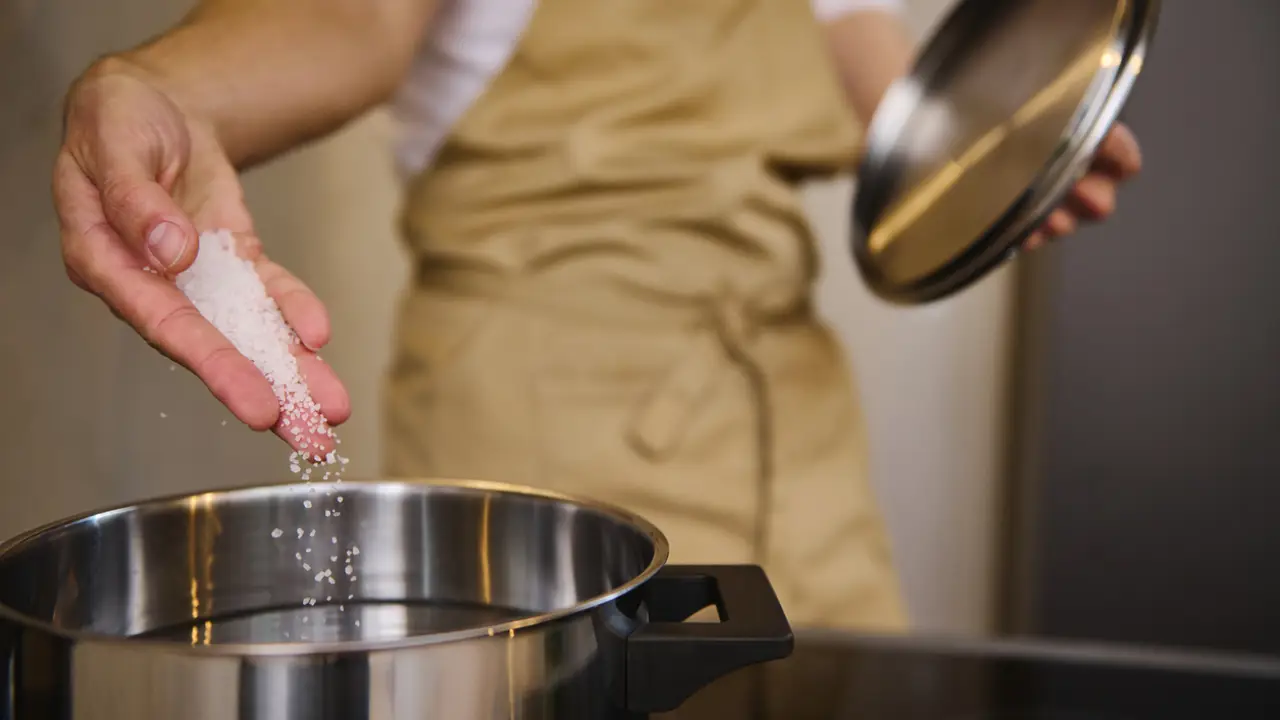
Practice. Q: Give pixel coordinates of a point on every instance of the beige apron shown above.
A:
(613, 293)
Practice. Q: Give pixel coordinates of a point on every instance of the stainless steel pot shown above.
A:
(464, 600)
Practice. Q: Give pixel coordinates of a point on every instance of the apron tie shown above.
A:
(725, 341)
(662, 420)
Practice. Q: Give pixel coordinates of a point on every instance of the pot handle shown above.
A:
(668, 660)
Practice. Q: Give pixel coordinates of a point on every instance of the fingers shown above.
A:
(326, 388)
(1094, 197)
(167, 320)
(305, 314)
(307, 433)
(311, 440)
(1060, 223)
(127, 138)
(301, 308)
(1119, 155)
(148, 219)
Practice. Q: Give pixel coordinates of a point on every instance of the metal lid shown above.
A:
(1001, 115)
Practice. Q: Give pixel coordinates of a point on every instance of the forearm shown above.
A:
(872, 49)
(267, 75)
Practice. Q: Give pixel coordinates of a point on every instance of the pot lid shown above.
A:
(1002, 113)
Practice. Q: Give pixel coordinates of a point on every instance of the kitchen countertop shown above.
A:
(833, 676)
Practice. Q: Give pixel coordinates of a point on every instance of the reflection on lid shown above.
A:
(1010, 107)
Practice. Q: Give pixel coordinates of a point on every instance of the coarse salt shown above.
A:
(226, 290)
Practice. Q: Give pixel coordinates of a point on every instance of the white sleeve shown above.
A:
(828, 10)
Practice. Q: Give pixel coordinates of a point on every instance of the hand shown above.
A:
(1094, 197)
(134, 183)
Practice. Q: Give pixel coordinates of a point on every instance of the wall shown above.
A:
(84, 397)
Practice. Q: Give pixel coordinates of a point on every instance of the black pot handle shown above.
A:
(668, 660)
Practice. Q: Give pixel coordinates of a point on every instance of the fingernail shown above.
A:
(167, 244)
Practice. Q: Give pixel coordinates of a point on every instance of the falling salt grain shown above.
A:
(277, 533)
(164, 415)
(306, 504)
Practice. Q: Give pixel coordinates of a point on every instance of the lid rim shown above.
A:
(1097, 112)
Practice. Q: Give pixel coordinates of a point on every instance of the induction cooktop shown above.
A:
(836, 677)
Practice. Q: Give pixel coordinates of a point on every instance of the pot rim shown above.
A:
(661, 553)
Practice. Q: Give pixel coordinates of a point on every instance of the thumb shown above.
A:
(147, 217)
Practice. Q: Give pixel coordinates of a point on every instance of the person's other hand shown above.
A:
(1094, 197)
(135, 182)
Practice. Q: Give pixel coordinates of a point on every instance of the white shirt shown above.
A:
(469, 43)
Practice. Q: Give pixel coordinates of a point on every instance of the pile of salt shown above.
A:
(227, 291)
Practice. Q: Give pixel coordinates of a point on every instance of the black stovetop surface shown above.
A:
(840, 677)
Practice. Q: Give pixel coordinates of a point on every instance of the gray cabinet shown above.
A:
(1145, 491)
